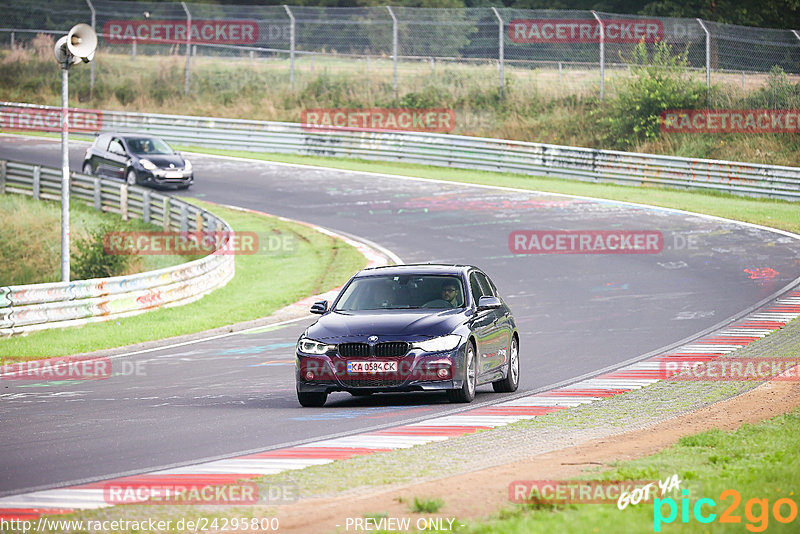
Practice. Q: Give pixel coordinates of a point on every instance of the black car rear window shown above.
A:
(102, 141)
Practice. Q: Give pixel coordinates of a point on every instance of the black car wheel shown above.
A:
(311, 399)
(87, 168)
(467, 391)
(131, 177)
(511, 381)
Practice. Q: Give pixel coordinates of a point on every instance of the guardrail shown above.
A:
(441, 150)
(34, 307)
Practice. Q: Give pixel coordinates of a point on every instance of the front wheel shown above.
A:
(87, 168)
(511, 381)
(467, 390)
(131, 177)
(311, 399)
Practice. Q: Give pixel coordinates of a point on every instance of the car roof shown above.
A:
(416, 268)
(129, 135)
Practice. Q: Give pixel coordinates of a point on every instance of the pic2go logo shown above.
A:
(757, 511)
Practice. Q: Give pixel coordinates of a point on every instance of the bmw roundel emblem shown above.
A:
(372, 339)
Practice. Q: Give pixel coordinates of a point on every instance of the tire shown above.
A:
(311, 399)
(87, 168)
(131, 178)
(511, 381)
(467, 390)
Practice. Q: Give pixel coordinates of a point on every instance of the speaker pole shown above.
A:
(78, 45)
(65, 169)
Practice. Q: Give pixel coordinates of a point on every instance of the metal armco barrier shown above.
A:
(56, 305)
(446, 150)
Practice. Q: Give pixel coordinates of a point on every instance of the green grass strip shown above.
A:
(311, 262)
(759, 461)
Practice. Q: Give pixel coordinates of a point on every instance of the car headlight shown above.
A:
(309, 346)
(439, 344)
(147, 164)
(187, 165)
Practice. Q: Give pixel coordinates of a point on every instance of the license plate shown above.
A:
(371, 367)
(173, 174)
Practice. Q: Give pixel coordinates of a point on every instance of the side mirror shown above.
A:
(488, 303)
(320, 307)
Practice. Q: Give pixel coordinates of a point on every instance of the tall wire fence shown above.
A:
(398, 41)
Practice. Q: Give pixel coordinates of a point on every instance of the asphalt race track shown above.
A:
(577, 314)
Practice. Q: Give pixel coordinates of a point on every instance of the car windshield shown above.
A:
(149, 145)
(402, 292)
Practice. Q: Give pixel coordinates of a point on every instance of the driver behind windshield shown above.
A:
(450, 293)
(448, 296)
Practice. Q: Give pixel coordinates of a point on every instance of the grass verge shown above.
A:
(540, 104)
(309, 263)
(30, 239)
(774, 213)
(760, 461)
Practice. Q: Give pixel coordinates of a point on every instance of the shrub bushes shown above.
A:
(91, 260)
(659, 82)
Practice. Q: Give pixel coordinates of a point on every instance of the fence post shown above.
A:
(3, 171)
(13, 44)
(167, 218)
(123, 201)
(291, 45)
(98, 195)
(394, 47)
(37, 180)
(184, 218)
(133, 49)
(500, 49)
(602, 55)
(188, 47)
(146, 206)
(708, 52)
(91, 66)
(796, 34)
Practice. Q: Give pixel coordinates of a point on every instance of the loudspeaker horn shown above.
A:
(82, 42)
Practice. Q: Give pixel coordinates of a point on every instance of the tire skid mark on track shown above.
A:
(756, 325)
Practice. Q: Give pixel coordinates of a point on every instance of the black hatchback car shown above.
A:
(410, 328)
(137, 159)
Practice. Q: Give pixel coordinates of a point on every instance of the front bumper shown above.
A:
(417, 371)
(168, 177)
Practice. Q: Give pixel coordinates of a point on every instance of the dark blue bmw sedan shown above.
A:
(410, 328)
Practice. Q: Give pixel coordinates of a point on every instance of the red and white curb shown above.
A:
(220, 472)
